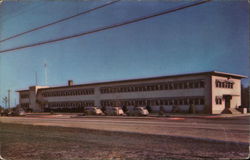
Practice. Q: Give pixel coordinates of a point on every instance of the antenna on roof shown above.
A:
(36, 79)
(45, 73)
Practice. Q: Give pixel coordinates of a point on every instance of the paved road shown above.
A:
(234, 129)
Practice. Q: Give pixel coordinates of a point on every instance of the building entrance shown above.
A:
(227, 99)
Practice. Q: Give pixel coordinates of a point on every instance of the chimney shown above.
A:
(70, 82)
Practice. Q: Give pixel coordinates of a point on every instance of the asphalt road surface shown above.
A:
(230, 129)
(87, 137)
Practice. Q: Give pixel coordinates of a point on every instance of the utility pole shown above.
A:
(36, 78)
(9, 98)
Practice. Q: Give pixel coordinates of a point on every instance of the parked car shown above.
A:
(93, 111)
(18, 112)
(7, 112)
(138, 111)
(114, 111)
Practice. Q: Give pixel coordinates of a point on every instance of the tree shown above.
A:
(245, 96)
(5, 101)
(1, 109)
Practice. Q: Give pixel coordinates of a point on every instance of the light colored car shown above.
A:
(6, 112)
(18, 112)
(93, 111)
(138, 111)
(114, 111)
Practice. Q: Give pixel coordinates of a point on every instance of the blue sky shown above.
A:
(212, 36)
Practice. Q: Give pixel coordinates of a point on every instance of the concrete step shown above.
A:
(231, 111)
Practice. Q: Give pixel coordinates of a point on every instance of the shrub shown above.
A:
(125, 109)
(192, 109)
(149, 109)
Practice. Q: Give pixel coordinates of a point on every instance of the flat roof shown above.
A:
(147, 78)
(25, 90)
(227, 74)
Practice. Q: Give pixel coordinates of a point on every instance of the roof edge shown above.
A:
(151, 78)
(22, 90)
(229, 74)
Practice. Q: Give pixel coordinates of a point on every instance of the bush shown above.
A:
(1, 109)
(161, 111)
(192, 109)
(125, 109)
(103, 108)
(176, 109)
(149, 109)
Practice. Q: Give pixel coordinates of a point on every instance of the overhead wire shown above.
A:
(108, 27)
(58, 21)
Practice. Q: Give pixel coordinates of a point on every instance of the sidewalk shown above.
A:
(208, 115)
(151, 115)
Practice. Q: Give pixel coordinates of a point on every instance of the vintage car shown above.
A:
(93, 111)
(114, 111)
(6, 112)
(138, 111)
(18, 112)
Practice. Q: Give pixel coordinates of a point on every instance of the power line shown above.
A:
(58, 21)
(107, 27)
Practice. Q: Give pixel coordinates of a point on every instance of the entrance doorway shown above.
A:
(227, 99)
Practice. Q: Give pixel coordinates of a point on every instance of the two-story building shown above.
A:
(208, 92)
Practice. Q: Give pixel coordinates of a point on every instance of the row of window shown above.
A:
(26, 95)
(74, 104)
(224, 84)
(155, 87)
(218, 100)
(74, 92)
(155, 102)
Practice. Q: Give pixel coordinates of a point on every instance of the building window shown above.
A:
(155, 87)
(218, 100)
(202, 84)
(196, 84)
(191, 84)
(175, 86)
(224, 84)
(69, 92)
(202, 102)
(185, 85)
(24, 95)
(181, 102)
(197, 101)
(171, 86)
(181, 85)
(186, 101)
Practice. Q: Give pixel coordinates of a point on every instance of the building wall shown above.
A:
(24, 100)
(219, 92)
(34, 105)
(97, 97)
(101, 94)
